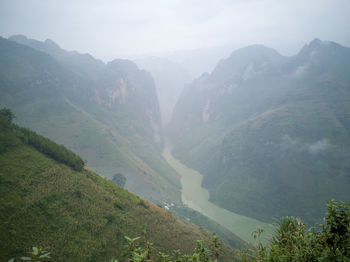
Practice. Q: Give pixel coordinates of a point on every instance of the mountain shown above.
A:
(108, 113)
(75, 214)
(169, 78)
(271, 134)
(82, 64)
(118, 85)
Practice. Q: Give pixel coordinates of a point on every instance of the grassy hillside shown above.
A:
(79, 104)
(197, 218)
(77, 216)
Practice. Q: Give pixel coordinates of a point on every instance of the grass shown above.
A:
(105, 151)
(188, 214)
(78, 216)
(50, 98)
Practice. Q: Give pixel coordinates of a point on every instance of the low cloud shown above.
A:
(289, 143)
(319, 146)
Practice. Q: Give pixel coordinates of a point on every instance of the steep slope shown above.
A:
(270, 133)
(108, 113)
(114, 90)
(77, 216)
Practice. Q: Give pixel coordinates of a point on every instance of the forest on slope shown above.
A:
(270, 134)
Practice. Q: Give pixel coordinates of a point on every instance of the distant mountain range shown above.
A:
(107, 113)
(270, 133)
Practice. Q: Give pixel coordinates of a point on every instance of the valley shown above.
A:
(175, 131)
(49, 199)
(196, 197)
(269, 133)
(253, 141)
(107, 113)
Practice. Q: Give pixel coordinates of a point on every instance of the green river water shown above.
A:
(196, 197)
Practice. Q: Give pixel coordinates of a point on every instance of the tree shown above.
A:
(119, 179)
(293, 241)
(7, 114)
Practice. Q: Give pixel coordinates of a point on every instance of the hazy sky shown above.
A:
(127, 27)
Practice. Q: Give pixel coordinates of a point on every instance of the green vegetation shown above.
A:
(283, 152)
(197, 218)
(292, 241)
(7, 138)
(77, 216)
(46, 146)
(292, 172)
(7, 115)
(270, 134)
(42, 144)
(106, 113)
(36, 255)
(197, 198)
(136, 253)
(119, 179)
(201, 252)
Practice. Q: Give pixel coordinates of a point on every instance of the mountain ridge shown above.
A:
(254, 128)
(111, 118)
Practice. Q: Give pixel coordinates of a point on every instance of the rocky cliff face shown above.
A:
(170, 79)
(119, 87)
(270, 133)
(108, 113)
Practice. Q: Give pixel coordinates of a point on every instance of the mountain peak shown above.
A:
(123, 64)
(319, 45)
(253, 57)
(315, 42)
(312, 46)
(48, 46)
(50, 43)
(253, 51)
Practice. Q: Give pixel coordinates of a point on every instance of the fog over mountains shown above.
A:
(108, 113)
(129, 122)
(270, 133)
(170, 78)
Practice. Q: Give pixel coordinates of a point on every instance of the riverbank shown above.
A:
(196, 197)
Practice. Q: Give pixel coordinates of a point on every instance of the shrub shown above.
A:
(293, 241)
(119, 179)
(46, 146)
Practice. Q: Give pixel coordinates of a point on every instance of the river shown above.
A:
(196, 197)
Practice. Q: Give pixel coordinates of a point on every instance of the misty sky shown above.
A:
(127, 27)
